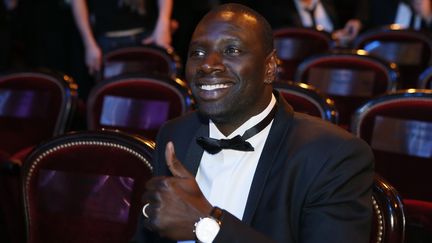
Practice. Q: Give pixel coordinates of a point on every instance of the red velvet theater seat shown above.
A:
(398, 126)
(349, 78)
(388, 223)
(137, 104)
(293, 45)
(411, 50)
(34, 106)
(142, 60)
(306, 99)
(85, 187)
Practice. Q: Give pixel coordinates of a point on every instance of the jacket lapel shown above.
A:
(268, 157)
(195, 152)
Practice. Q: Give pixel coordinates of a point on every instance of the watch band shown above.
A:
(217, 214)
(207, 228)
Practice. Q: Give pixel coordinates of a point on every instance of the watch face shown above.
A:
(206, 230)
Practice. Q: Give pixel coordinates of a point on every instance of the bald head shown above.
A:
(231, 11)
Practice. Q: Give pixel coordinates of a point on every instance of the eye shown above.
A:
(196, 53)
(233, 51)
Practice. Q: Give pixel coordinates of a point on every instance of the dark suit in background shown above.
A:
(280, 13)
(312, 183)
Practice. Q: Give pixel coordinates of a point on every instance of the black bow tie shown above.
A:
(214, 146)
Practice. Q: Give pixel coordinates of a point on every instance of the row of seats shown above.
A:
(115, 167)
(38, 105)
(349, 76)
(122, 100)
(408, 50)
(133, 103)
(125, 99)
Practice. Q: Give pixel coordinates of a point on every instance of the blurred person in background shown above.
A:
(415, 14)
(343, 18)
(105, 25)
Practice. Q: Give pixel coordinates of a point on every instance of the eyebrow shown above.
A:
(228, 39)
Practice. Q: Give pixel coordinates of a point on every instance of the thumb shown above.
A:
(174, 165)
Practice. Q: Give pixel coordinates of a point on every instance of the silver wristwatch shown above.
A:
(206, 229)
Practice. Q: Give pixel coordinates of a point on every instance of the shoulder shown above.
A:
(316, 132)
(181, 129)
(312, 140)
(304, 128)
(183, 123)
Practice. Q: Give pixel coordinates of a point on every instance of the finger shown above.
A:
(98, 64)
(147, 40)
(168, 48)
(157, 183)
(174, 165)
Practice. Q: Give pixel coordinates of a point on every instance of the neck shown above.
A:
(230, 125)
(307, 3)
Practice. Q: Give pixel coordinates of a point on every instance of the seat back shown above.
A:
(306, 99)
(398, 127)
(425, 79)
(142, 60)
(388, 223)
(350, 78)
(293, 45)
(34, 106)
(85, 187)
(411, 50)
(137, 104)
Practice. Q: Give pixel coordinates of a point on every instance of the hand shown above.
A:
(161, 35)
(93, 58)
(346, 35)
(423, 8)
(176, 202)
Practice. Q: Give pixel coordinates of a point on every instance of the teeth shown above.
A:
(214, 86)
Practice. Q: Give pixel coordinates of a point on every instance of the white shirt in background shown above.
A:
(322, 19)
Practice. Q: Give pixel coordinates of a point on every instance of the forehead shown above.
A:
(228, 24)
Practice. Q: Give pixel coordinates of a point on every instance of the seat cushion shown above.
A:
(419, 213)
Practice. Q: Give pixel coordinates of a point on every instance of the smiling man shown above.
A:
(245, 167)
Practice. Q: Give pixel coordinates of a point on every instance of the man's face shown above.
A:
(226, 67)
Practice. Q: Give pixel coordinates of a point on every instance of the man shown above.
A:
(415, 14)
(299, 179)
(120, 23)
(343, 18)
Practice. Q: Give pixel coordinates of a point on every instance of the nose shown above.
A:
(212, 63)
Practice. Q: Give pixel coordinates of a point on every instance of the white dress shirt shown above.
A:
(225, 178)
(322, 19)
(404, 15)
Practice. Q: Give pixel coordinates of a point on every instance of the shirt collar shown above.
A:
(215, 133)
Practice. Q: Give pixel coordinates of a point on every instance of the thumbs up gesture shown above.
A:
(175, 203)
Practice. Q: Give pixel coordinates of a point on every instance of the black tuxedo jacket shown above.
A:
(312, 183)
(283, 13)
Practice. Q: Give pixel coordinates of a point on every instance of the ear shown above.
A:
(271, 67)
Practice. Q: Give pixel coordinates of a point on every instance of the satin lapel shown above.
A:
(330, 8)
(294, 15)
(268, 157)
(194, 152)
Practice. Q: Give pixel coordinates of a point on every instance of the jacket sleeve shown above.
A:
(338, 204)
(338, 207)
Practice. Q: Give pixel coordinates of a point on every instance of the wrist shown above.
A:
(207, 228)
